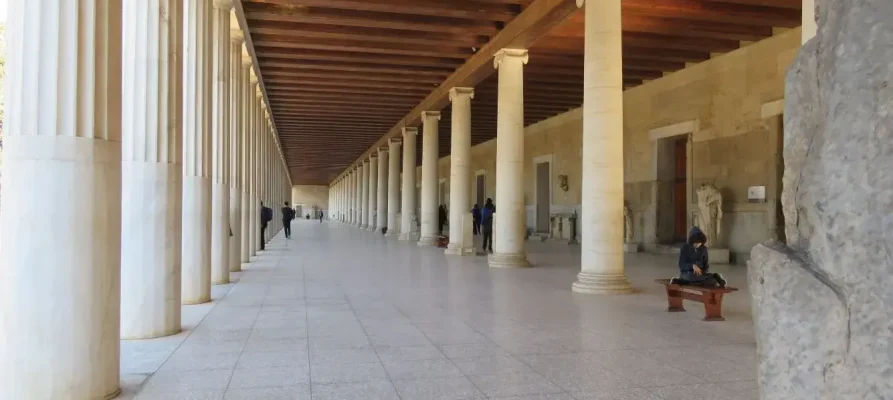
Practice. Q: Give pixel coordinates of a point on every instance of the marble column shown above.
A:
(197, 155)
(393, 185)
(60, 224)
(364, 195)
(255, 169)
(381, 198)
(253, 206)
(220, 154)
(430, 228)
(808, 22)
(602, 187)
(350, 197)
(372, 193)
(460, 173)
(407, 206)
(509, 223)
(152, 170)
(236, 117)
(245, 150)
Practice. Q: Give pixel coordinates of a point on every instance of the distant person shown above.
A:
(266, 215)
(487, 225)
(320, 217)
(694, 263)
(476, 217)
(287, 215)
(441, 218)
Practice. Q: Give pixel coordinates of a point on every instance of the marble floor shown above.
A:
(339, 313)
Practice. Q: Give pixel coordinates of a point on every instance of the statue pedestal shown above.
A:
(718, 256)
(630, 247)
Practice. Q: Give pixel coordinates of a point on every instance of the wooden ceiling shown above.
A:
(340, 74)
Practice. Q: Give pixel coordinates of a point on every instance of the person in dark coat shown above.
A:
(694, 263)
(476, 217)
(287, 215)
(266, 215)
(487, 224)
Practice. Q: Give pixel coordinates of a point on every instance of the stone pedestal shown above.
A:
(634, 248)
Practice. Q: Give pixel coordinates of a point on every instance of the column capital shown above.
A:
(237, 37)
(366, 161)
(580, 3)
(259, 94)
(430, 114)
(393, 141)
(225, 5)
(252, 77)
(246, 58)
(410, 131)
(382, 150)
(510, 54)
(461, 91)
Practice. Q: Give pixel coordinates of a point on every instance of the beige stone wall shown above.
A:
(733, 144)
(310, 197)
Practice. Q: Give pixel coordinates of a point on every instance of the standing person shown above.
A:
(476, 217)
(487, 224)
(287, 215)
(441, 218)
(266, 215)
(320, 217)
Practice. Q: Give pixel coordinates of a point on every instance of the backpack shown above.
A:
(487, 215)
(267, 214)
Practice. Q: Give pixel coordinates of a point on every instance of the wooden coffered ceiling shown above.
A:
(341, 75)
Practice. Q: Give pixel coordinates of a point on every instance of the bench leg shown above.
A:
(674, 298)
(713, 307)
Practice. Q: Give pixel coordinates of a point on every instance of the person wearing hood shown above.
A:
(694, 263)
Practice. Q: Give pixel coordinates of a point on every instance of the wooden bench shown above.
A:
(443, 241)
(710, 297)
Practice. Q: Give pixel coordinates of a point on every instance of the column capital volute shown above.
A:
(366, 161)
(410, 131)
(225, 5)
(510, 54)
(252, 77)
(374, 156)
(430, 114)
(395, 141)
(258, 93)
(237, 37)
(461, 91)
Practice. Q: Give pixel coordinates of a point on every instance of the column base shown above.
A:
(427, 241)
(595, 283)
(457, 250)
(372, 229)
(161, 334)
(408, 236)
(508, 260)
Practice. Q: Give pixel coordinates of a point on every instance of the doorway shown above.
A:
(479, 182)
(680, 183)
(543, 199)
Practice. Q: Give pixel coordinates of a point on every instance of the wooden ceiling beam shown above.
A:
(694, 29)
(362, 47)
(352, 83)
(789, 4)
(312, 31)
(301, 55)
(699, 10)
(335, 98)
(453, 9)
(368, 19)
(323, 87)
(352, 67)
(323, 74)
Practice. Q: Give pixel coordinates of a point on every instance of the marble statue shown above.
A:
(627, 225)
(709, 212)
(822, 301)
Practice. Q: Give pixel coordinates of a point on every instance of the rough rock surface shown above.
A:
(823, 305)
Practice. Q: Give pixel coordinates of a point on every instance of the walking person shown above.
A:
(287, 215)
(487, 225)
(266, 215)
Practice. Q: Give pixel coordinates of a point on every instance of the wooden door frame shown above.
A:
(543, 159)
(474, 190)
(668, 134)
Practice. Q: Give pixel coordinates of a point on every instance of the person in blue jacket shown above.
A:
(694, 263)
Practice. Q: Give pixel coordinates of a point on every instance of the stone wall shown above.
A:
(309, 197)
(731, 107)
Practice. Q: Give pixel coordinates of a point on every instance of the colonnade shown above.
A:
(602, 269)
(137, 152)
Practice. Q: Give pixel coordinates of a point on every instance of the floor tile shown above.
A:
(369, 390)
(408, 353)
(298, 392)
(182, 381)
(251, 359)
(492, 365)
(421, 369)
(350, 372)
(459, 388)
(267, 377)
(514, 385)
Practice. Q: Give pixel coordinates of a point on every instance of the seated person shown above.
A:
(694, 265)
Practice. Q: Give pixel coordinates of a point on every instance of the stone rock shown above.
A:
(823, 304)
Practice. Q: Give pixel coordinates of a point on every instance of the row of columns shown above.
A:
(132, 181)
(602, 269)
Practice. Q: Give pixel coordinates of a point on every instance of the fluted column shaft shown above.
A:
(430, 228)
(197, 155)
(601, 257)
(245, 149)
(152, 171)
(60, 224)
(221, 153)
(460, 173)
(510, 221)
(364, 196)
(381, 195)
(236, 135)
(255, 176)
(393, 185)
(407, 209)
(372, 192)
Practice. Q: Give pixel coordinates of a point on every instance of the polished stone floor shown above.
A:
(339, 313)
